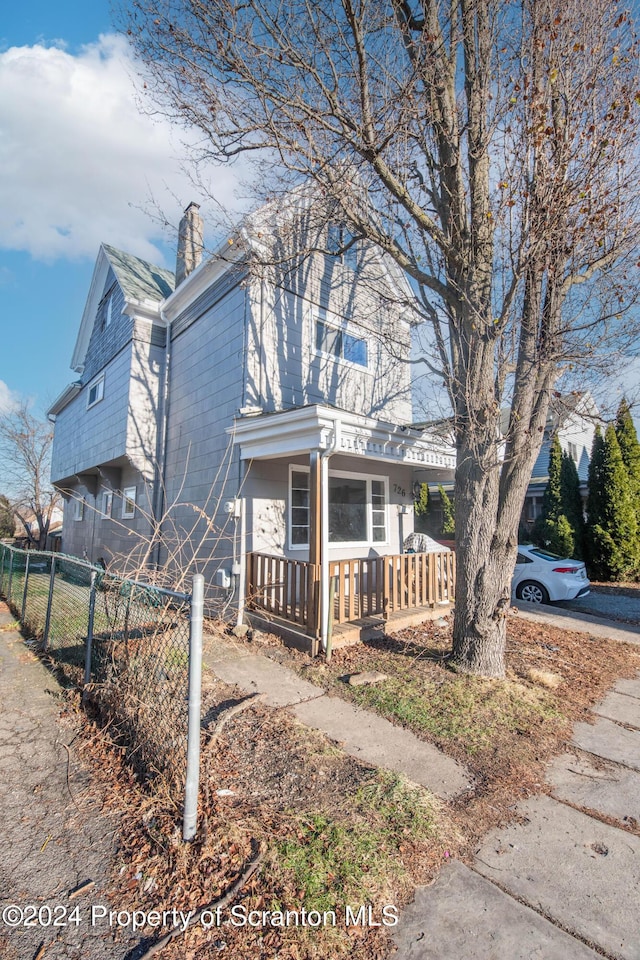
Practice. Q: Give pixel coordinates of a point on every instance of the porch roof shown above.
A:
(268, 436)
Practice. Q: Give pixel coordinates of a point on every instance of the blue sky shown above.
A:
(79, 164)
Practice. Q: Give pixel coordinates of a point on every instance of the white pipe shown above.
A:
(242, 580)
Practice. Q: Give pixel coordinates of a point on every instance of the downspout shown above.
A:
(162, 450)
(325, 612)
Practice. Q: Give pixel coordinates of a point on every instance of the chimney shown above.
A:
(190, 242)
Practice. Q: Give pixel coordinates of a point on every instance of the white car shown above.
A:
(541, 577)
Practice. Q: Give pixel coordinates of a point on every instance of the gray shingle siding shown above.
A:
(205, 391)
(85, 438)
(106, 341)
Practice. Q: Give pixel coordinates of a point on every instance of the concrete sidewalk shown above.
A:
(362, 734)
(54, 835)
(558, 880)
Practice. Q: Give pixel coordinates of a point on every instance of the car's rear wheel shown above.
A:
(532, 592)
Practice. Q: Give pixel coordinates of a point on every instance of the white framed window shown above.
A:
(128, 502)
(342, 245)
(357, 508)
(341, 344)
(107, 504)
(95, 392)
(78, 508)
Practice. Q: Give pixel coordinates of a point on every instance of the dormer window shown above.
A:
(105, 308)
(96, 392)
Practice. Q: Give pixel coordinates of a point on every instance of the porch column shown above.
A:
(315, 546)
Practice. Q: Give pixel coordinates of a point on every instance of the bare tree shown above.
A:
(25, 444)
(490, 148)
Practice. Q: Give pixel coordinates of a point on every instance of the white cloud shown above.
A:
(9, 400)
(77, 157)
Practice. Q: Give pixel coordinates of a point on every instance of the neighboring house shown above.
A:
(255, 419)
(54, 531)
(573, 417)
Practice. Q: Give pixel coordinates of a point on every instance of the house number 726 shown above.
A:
(398, 489)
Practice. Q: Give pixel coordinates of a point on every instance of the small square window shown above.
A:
(78, 508)
(96, 392)
(107, 504)
(128, 502)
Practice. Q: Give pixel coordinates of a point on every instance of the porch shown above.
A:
(364, 594)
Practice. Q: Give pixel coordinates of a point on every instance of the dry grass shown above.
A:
(545, 678)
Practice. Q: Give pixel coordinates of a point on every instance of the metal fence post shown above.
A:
(10, 575)
(89, 644)
(190, 817)
(24, 592)
(47, 622)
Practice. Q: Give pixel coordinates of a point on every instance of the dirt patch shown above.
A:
(336, 833)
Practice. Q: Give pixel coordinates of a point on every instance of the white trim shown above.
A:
(96, 384)
(347, 475)
(296, 432)
(128, 503)
(68, 394)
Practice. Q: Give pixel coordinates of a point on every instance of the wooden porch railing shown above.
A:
(373, 586)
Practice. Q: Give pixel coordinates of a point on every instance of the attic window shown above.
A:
(107, 312)
(96, 392)
(342, 245)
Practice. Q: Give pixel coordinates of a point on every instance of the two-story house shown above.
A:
(252, 423)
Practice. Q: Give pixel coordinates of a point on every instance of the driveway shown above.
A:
(605, 604)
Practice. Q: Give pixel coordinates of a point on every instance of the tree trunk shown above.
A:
(485, 562)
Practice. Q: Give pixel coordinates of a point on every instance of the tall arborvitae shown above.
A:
(552, 499)
(421, 508)
(448, 514)
(552, 528)
(630, 450)
(613, 525)
(595, 480)
(571, 500)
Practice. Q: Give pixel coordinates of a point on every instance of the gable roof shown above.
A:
(139, 279)
(143, 284)
(561, 407)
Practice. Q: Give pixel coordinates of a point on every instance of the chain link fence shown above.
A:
(134, 649)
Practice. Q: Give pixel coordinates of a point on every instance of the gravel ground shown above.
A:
(611, 606)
